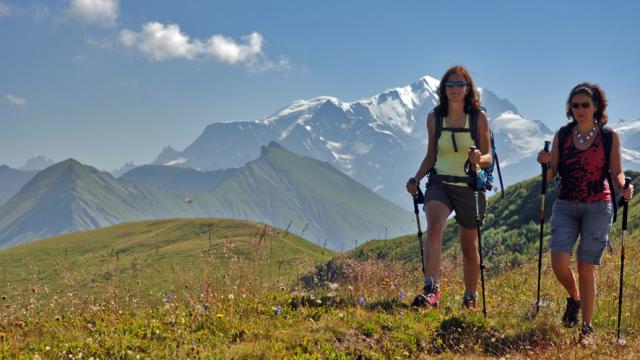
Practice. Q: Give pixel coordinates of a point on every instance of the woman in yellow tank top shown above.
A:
(447, 191)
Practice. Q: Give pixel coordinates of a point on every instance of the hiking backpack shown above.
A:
(607, 141)
(485, 175)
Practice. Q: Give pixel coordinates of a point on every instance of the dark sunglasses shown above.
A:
(452, 84)
(584, 105)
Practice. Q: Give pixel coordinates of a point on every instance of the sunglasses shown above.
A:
(584, 105)
(452, 84)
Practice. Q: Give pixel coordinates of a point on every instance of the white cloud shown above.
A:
(16, 101)
(162, 42)
(39, 12)
(5, 10)
(227, 50)
(103, 12)
(80, 59)
(262, 65)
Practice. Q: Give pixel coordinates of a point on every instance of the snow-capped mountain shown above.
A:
(37, 162)
(379, 141)
(629, 132)
(128, 166)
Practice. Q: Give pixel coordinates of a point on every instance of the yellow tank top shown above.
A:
(451, 162)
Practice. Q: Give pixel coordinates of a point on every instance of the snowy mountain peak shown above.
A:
(431, 82)
(37, 162)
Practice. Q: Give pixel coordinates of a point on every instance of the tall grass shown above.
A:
(237, 296)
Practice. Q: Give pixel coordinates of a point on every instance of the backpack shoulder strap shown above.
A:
(438, 123)
(562, 140)
(607, 141)
(473, 125)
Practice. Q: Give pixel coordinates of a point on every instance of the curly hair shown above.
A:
(471, 100)
(595, 92)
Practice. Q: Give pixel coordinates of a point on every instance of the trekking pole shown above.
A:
(625, 208)
(418, 199)
(474, 182)
(543, 193)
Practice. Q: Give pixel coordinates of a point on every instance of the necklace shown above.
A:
(583, 138)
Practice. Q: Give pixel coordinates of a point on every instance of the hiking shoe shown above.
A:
(587, 335)
(431, 297)
(469, 302)
(570, 317)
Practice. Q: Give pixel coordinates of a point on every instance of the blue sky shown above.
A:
(86, 79)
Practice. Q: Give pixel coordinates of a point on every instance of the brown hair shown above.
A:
(595, 92)
(471, 100)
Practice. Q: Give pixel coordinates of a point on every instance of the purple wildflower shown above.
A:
(168, 297)
(402, 294)
(278, 310)
(361, 301)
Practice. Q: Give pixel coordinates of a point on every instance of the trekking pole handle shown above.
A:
(472, 170)
(418, 197)
(625, 204)
(544, 169)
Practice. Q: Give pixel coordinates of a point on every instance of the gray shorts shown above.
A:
(459, 199)
(592, 221)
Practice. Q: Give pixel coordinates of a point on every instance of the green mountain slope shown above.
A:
(159, 255)
(327, 205)
(70, 196)
(11, 180)
(176, 179)
(280, 188)
(510, 234)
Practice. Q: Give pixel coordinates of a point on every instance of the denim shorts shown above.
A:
(592, 221)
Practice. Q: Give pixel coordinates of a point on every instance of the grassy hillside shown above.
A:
(157, 256)
(510, 234)
(363, 313)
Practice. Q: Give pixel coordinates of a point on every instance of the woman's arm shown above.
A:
(615, 166)
(551, 158)
(484, 156)
(430, 157)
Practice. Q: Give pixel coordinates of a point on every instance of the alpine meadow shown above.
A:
(338, 180)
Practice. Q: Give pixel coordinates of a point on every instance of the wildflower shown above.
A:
(231, 297)
(219, 315)
(168, 297)
(401, 313)
(402, 294)
(277, 310)
(361, 301)
(333, 286)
